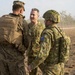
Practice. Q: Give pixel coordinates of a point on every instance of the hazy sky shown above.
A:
(42, 5)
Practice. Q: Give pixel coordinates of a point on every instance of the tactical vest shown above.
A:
(9, 29)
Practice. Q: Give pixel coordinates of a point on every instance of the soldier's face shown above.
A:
(47, 23)
(34, 16)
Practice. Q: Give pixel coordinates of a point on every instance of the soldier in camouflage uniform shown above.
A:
(48, 56)
(12, 55)
(35, 29)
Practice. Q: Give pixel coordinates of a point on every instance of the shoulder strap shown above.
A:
(59, 30)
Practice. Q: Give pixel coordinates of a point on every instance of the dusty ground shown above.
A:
(70, 65)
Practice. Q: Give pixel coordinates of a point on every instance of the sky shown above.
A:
(42, 5)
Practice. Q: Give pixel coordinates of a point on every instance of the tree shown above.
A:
(66, 19)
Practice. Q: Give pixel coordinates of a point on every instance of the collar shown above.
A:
(13, 14)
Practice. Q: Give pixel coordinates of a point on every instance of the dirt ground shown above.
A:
(70, 65)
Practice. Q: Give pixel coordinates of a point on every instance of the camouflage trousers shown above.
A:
(47, 69)
(9, 65)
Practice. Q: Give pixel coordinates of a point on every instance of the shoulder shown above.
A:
(29, 25)
(46, 35)
(47, 31)
(25, 22)
(41, 25)
(6, 15)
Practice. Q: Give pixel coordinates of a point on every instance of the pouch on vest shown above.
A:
(8, 29)
(64, 46)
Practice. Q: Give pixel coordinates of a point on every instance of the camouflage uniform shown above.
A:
(34, 33)
(48, 56)
(12, 55)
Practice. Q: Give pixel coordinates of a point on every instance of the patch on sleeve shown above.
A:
(42, 38)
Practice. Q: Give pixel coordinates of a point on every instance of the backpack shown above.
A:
(8, 29)
(64, 46)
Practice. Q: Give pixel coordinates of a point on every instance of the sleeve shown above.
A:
(21, 46)
(45, 46)
(25, 28)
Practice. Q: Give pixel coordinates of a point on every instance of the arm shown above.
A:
(25, 31)
(22, 46)
(45, 47)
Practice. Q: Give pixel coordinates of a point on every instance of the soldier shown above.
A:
(35, 29)
(12, 54)
(48, 56)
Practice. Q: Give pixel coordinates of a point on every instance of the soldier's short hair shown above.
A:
(35, 9)
(17, 5)
(19, 2)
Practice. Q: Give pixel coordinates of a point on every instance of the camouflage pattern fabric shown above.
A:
(25, 29)
(11, 61)
(11, 56)
(47, 58)
(52, 15)
(34, 33)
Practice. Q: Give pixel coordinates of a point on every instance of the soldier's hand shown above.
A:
(29, 68)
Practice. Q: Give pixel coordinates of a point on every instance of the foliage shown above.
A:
(66, 19)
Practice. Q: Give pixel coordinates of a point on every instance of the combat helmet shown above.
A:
(52, 15)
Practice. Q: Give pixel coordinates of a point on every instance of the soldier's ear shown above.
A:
(21, 11)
